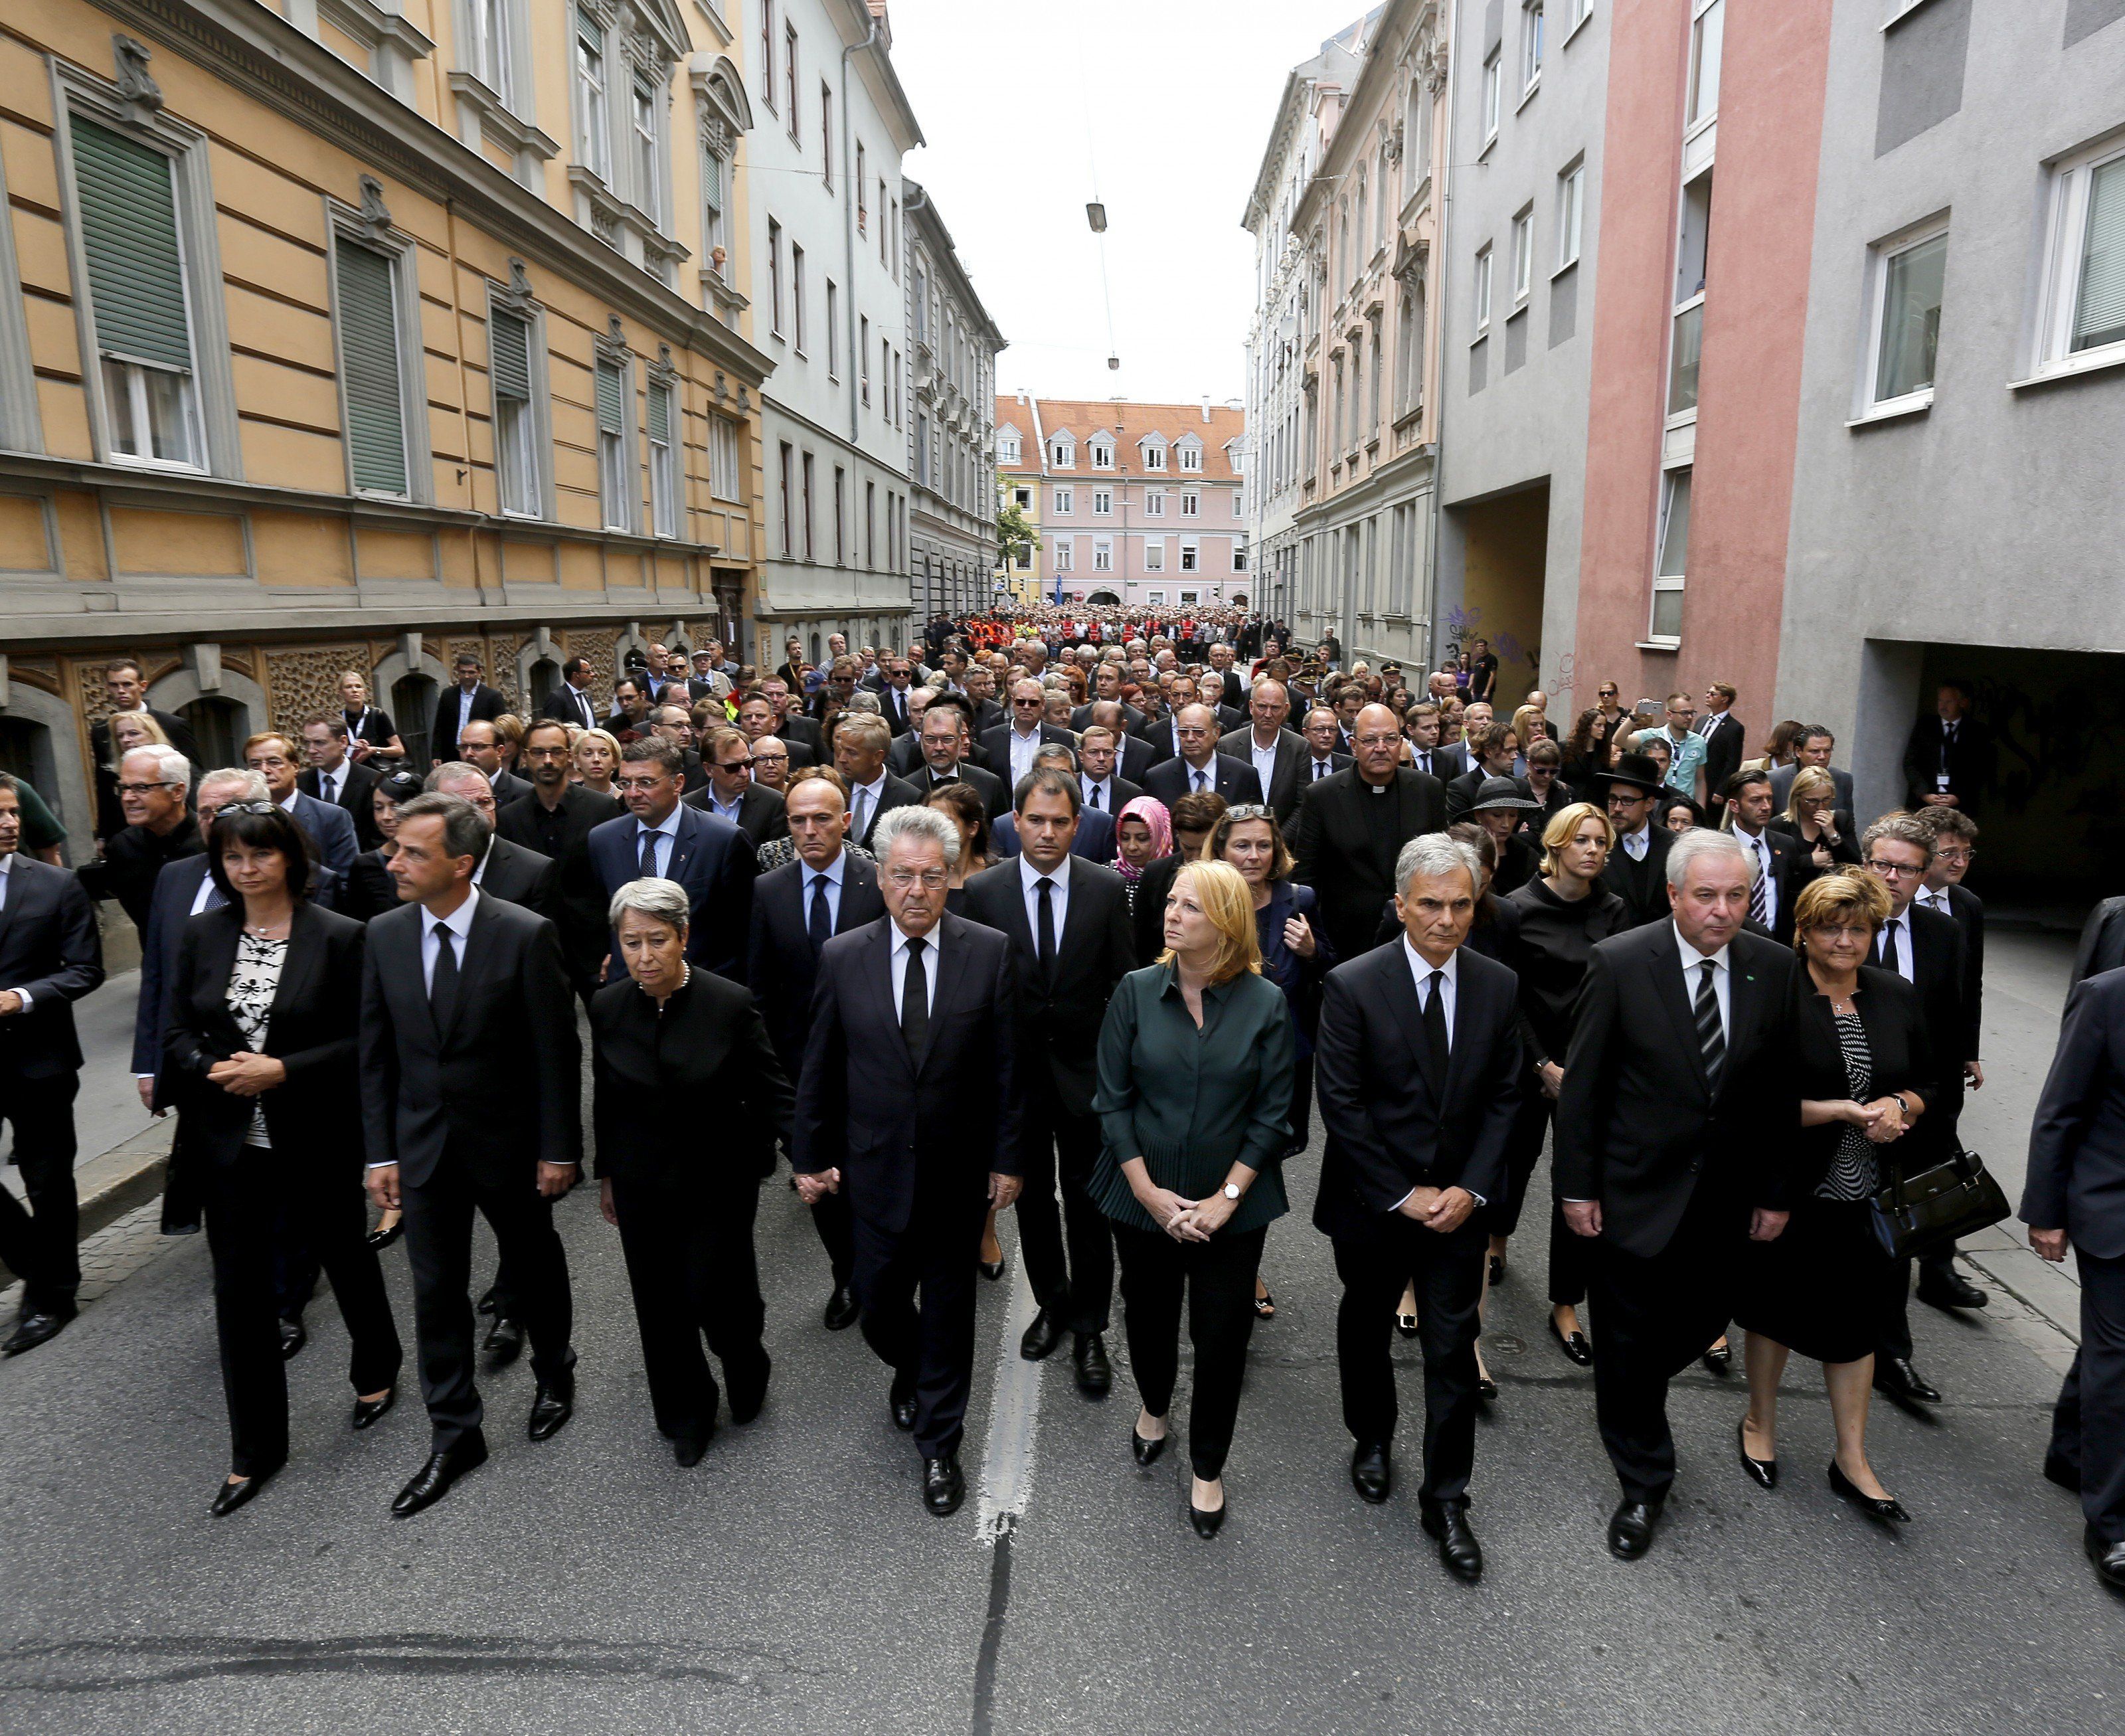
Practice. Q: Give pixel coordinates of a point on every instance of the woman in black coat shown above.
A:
(370, 889)
(1824, 1286)
(261, 1043)
(673, 1048)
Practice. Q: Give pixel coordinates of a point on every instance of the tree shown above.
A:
(1013, 534)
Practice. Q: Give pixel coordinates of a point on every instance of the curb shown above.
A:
(122, 1180)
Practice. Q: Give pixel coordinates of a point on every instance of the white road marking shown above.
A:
(1014, 1419)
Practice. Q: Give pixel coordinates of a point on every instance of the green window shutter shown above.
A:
(128, 230)
(509, 355)
(610, 421)
(660, 414)
(368, 362)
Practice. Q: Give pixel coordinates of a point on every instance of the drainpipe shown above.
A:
(850, 193)
(1439, 407)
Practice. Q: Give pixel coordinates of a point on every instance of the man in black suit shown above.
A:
(980, 690)
(1926, 948)
(50, 956)
(1492, 750)
(1106, 690)
(471, 1089)
(1278, 754)
(1222, 684)
(334, 778)
(1009, 749)
(1068, 922)
(1200, 766)
(1676, 1113)
(1812, 746)
(1323, 733)
(571, 702)
(791, 723)
(328, 826)
(1781, 866)
(1950, 759)
(909, 1099)
(906, 754)
(1419, 1061)
(756, 722)
(504, 870)
(1104, 790)
(1425, 755)
(895, 674)
(860, 742)
(2074, 1197)
(125, 689)
(946, 736)
(1132, 754)
(1351, 827)
(1637, 869)
(152, 783)
(471, 700)
(1723, 738)
(730, 793)
(480, 744)
(661, 838)
(556, 820)
(797, 908)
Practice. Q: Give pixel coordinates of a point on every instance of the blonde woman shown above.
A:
(597, 759)
(1826, 836)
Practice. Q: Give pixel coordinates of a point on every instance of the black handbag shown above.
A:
(1926, 1211)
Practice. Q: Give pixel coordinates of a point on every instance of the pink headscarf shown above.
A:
(1152, 812)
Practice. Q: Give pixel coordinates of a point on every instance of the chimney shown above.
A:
(1206, 406)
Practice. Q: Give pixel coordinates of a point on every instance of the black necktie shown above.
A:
(1095, 801)
(1046, 931)
(1889, 959)
(1760, 910)
(325, 787)
(1434, 1022)
(915, 1003)
(443, 981)
(821, 928)
(648, 867)
(1711, 1037)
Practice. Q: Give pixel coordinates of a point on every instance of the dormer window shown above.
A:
(1062, 453)
(1191, 456)
(1103, 455)
(1154, 454)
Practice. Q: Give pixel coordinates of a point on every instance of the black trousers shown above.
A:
(2088, 1422)
(1657, 1315)
(41, 1245)
(1218, 1278)
(931, 1341)
(1447, 1269)
(690, 1263)
(835, 1224)
(439, 1248)
(1569, 1256)
(1895, 1339)
(248, 1203)
(1059, 1145)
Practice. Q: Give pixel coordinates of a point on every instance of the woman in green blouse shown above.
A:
(1194, 1104)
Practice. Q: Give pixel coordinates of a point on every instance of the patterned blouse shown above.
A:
(251, 988)
(1852, 1174)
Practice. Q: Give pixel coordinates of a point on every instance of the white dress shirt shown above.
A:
(1202, 777)
(863, 805)
(897, 962)
(1637, 843)
(1900, 927)
(1099, 792)
(1264, 759)
(1419, 760)
(832, 873)
(1757, 844)
(667, 840)
(331, 781)
(1420, 968)
(464, 708)
(1722, 974)
(459, 921)
(1318, 769)
(1934, 900)
(1023, 748)
(1029, 880)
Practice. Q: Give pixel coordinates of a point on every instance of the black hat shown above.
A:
(1637, 770)
(1500, 792)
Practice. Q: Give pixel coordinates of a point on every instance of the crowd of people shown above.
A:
(1086, 914)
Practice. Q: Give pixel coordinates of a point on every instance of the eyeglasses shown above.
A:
(1952, 858)
(642, 783)
(143, 789)
(736, 765)
(1896, 871)
(906, 878)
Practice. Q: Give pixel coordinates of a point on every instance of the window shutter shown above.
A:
(128, 230)
(608, 416)
(2100, 317)
(509, 355)
(368, 361)
(660, 414)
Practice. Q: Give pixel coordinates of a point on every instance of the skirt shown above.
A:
(1825, 1288)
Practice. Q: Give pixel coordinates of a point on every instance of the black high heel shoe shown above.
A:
(1265, 1309)
(1206, 1524)
(1763, 1473)
(1145, 1450)
(380, 1239)
(230, 1496)
(992, 1270)
(1888, 1512)
(1718, 1358)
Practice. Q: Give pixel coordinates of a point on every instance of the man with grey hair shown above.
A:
(152, 786)
(1418, 1060)
(909, 1102)
(505, 870)
(1674, 1126)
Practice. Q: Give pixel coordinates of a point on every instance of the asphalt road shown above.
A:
(793, 1581)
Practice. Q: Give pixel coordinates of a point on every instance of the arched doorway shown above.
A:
(1104, 600)
(219, 726)
(545, 678)
(1238, 599)
(413, 710)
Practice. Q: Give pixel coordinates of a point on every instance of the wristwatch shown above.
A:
(1232, 1192)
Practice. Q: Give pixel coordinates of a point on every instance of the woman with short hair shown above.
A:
(597, 759)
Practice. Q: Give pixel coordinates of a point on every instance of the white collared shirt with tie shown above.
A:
(832, 875)
(667, 839)
(1029, 880)
(1420, 759)
(1449, 986)
(1318, 769)
(863, 806)
(330, 783)
(1202, 777)
(1693, 965)
(897, 961)
(1637, 843)
(458, 924)
(1934, 900)
(1758, 846)
(1099, 792)
(1900, 926)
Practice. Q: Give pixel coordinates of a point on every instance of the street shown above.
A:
(792, 1578)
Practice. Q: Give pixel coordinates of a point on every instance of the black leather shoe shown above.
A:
(1631, 1528)
(488, 1304)
(1041, 1338)
(1896, 1376)
(2109, 1559)
(551, 1406)
(2063, 1472)
(902, 1397)
(36, 1326)
(505, 1341)
(1206, 1524)
(367, 1411)
(1145, 1451)
(294, 1336)
(433, 1480)
(841, 1308)
(749, 1393)
(230, 1496)
(1573, 1344)
(380, 1239)
(1459, 1551)
(1096, 1375)
(943, 1487)
(1763, 1473)
(1497, 1272)
(687, 1449)
(1371, 1473)
(1719, 1359)
(992, 1270)
(1887, 1511)
(1951, 1291)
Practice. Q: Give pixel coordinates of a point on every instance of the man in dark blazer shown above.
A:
(1221, 683)
(125, 689)
(330, 829)
(469, 700)
(1418, 1057)
(1276, 754)
(504, 870)
(1132, 754)
(51, 955)
(939, 758)
(1200, 766)
(730, 794)
(1677, 1111)
(1025, 703)
(1104, 790)
(2102, 940)
(1352, 827)
(1323, 732)
(2074, 1197)
(660, 838)
(334, 778)
(1421, 726)
(1812, 746)
(860, 742)
(1491, 754)
(1723, 743)
(556, 820)
(1068, 924)
(895, 677)
(480, 743)
(797, 908)
(1950, 758)
(1636, 868)
(471, 1088)
(571, 702)
(1782, 864)
(910, 1101)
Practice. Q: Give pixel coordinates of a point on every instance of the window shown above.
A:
(784, 484)
(1532, 23)
(1066, 500)
(1008, 450)
(1103, 554)
(613, 467)
(1154, 458)
(789, 73)
(1191, 458)
(1191, 554)
(881, 219)
(516, 456)
(767, 55)
(366, 308)
(804, 506)
(2084, 305)
(1483, 290)
(827, 136)
(1064, 558)
(1022, 498)
(841, 514)
(1493, 79)
(663, 462)
(1692, 248)
(725, 482)
(1062, 453)
(593, 146)
(1522, 254)
(1103, 456)
(489, 54)
(775, 277)
(863, 354)
(1103, 503)
(1154, 504)
(1571, 211)
(1708, 31)
(863, 209)
(1239, 557)
(870, 524)
(1155, 598)
(1021, 557)
(833, 331)
(1191, 503)
(647, 192)
(1674, 547)
(715, 201)
(1576, 12)
(1154, 556)
(922, 449)
(1908, 281)
(797, 297)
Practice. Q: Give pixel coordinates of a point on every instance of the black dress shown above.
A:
(1300, 981)
(1825, 1287)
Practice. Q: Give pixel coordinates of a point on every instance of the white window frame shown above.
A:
(1482, 281)
(1663, 583)
(1191, 459)
(1103, 503)
(20, 427)
(775, 278)
(1695, 116)
(1156, 599)
(535, 427)
(1154, 455)
(1191, 503)
(833, 330)
(664, 463)
(1103, 554)
(1154, 554)
(1064, 559)
(1880, 258)
(1154, 503)
(1523, 257)
(1494, 79)
(1571, 214)
(617, 508)
(347, 226)
(1191, 554)
(797, 298)
(492, 49)
(1065, 499)
(1102, 454)
(1062, 453)
(593, 97)
(726, 471)
(1534, 44)
(1008, 451)
(646, 159)
(1580, 11)
(2065, 261)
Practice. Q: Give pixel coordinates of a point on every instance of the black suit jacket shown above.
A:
(1392, 1123)
(895, 719)
(1449, 763)
(1292, 755)
(897, 793)
(1060, 1015)
(1969, 761)
(1901, 1057)
(176, 887)
(356, 793)
(781, 965)
(994, 798)
(1119, 794)
(712, 860)
(501, 1089)
(523, 877)
(486, 706)
(799, 728)
(568, 705)
(1233, 779)
(1643, 886)
(2102, 944)
(2076, 1174)
(1638, 1128)
(1337, 855)
(1940, 970)
(760, 812)
(1134, 758)
(49, 945)
(580, 902)
(1081, 719)
(1791, 871)
(1152, 889)
(864, 1107)
(996, 745)
(1723, 746)
(311, 1117)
